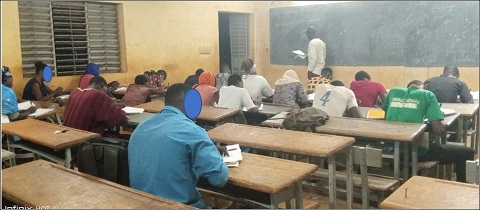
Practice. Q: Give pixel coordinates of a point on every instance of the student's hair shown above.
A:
(362, 74)
(175, 94)
(452, 70)
(247, 64)
(415, 82)
(141, 79)
(224, 68)
(39, 65)
(311, 30)
(234, 79)
(147, 72)
(337, 83)
(326, 71)
(198, 72)
(98, 80)
(153, 72)
(161, 71)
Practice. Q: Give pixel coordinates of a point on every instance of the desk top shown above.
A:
(136, 119)
(215, 114)
(42, 133)
(154, 106)
(41, 183)
(297, 142)
(268, 174)
(273, 109)
(448, 120)
(463, 109)
(430, 193)
(372, 129)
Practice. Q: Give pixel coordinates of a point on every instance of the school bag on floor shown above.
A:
(300, 119)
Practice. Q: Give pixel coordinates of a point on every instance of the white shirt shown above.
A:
(235, 97)
(334, 100)
(257, 86)
(317, 51)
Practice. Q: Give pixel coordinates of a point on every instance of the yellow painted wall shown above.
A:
(167, 35)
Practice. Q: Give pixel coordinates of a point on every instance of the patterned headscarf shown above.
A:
(290, 76)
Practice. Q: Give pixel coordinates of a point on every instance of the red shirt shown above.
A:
(92, 110)
(367, 92)
(137, 94)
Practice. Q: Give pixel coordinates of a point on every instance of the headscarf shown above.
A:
(206, 78)
(290, 76)
(93, 69)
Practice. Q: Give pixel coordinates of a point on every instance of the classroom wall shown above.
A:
(167, 35)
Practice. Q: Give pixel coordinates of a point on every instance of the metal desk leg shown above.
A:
(13, 161)
(414, 157)
(406, 164)
(332, 182)
(349, 165)
(68, 157)
(298, 196)
(460, 130)
(465, 129)
(396, 161)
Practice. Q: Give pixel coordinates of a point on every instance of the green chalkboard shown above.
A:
(404, 33)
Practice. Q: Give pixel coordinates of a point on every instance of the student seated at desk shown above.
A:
(336, 100)
(256, 85)
(162, 76)
(10, 111)
(414, 104)
(168, 153)
(326, 76)
(93, 70)
(93, 110)
(206, 88)
(36, 90)
(368, 93)
(448, 87)
(138, 93)
(234, 95)
(222, 77)
(289, 91)
(193, 79)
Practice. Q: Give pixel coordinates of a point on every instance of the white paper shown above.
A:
(234, 152)
(63, 97)
(300, 54)
(133, 110)
(40, 111)
(259, 108)
(25, 105)
(475, 94)
(311, 96)
(121, 89)
(447, 112)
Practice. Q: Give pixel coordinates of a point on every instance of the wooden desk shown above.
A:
(430, 193)
(213, 114)
(41, 184)
(466, 112)
(135, 119)
(42, 133)
(294, 142)
(280, 179)
(273, 109)
(381, 130)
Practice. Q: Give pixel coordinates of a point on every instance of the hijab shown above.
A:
(206, 78)
(290, 76)
(93, 69)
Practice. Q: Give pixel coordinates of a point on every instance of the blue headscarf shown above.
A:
(93, 69)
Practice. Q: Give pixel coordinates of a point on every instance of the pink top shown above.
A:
(367, 92)
(85, 81)
(206, 92)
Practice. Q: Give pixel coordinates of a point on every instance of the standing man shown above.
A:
(317, 52)
(447, 87)
(168, 153)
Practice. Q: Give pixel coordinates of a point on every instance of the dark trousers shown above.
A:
(448, 154)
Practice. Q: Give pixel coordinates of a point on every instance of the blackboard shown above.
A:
(405, 33)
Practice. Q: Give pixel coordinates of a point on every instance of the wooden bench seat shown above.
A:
(374, 182)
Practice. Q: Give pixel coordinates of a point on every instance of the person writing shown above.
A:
(36, 90)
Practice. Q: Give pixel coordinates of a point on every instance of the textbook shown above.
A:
(133, 110)
(235, 155)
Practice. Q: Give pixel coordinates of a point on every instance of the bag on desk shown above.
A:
(300, 119)
(106, 158)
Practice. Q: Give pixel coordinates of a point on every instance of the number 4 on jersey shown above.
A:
(325, 98)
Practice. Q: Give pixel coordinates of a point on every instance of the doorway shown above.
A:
(233, 33)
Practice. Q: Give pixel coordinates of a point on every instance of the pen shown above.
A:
(232, 149)
(440, 105)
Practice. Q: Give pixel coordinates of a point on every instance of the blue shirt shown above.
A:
(168, 153)
(9, 100)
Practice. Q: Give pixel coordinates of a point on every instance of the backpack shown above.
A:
(300, 119)
(106, 158)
